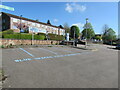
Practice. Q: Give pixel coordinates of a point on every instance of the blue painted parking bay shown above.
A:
(30, 54)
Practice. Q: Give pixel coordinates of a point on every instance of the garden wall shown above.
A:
(7, 42)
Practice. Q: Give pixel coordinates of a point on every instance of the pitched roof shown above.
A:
(11, 15)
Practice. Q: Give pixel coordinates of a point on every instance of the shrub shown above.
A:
(55, 37)
(9, 34)
(9, 31)
(49, 46)
(41, 34)
(2, 46)
(39, 37)
(23, 36)
(12, 36)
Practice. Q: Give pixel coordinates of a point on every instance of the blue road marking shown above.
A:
(40, 58)
(26, 52)
(49, 51)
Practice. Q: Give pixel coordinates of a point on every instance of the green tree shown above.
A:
(48, 22)
(105, 29)
(109, 35)
(76, 30)
(37, 20)
(119, 36)
(88, 31)
(98, 37)
(67, 28)
(60, 26)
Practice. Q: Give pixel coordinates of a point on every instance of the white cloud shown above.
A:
(80, 25)
(69, 8)
(55, 20)
(75, 7)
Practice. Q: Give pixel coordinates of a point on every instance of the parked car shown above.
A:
(118, 46)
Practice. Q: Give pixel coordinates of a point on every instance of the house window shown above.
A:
(38, 25)
(15, 20)
(33, 24)
(3, 20)
(29, 22)
(23, 21)
(4, 27)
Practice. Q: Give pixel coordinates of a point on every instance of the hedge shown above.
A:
(41, 34)
(9, 31)
(39, 37)
(10, 34)
(55, 37)
(23, 36)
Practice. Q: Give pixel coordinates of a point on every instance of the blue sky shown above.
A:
(99, 13)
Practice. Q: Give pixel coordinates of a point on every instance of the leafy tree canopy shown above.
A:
(88, 31)
(67, 28)
(76, 30)
(109, 35)
(60, 26)
(37, 20)
(98, 37)
(48, 22)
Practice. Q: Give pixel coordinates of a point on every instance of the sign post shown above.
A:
(67, 37)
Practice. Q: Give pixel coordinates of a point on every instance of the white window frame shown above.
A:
(14, 19)
(33, 24)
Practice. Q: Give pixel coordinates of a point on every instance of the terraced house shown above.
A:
(21, 24)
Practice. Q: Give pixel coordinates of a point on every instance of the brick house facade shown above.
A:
(18, 23)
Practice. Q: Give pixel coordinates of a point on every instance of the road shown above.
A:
(61, 67)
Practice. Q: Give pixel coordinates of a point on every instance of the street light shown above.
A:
(20, 23)
(86, 32)
(32, 37)
(47, 35)
(74, 38)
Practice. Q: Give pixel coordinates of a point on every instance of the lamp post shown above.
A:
(112, 41)
(20, 23)
(47, 35)
(86, 32)
(33, 38)
(58, 30)
(74, 39)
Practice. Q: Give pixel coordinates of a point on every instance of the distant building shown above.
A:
(21, 24)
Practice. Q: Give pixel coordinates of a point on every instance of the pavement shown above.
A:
(61, 67)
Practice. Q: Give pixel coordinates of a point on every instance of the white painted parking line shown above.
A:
(26, 52)
(40, 58)
(49, 51)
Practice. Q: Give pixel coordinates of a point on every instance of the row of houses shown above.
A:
(21, 24)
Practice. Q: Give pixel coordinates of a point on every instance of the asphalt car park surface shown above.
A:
(60, 67)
